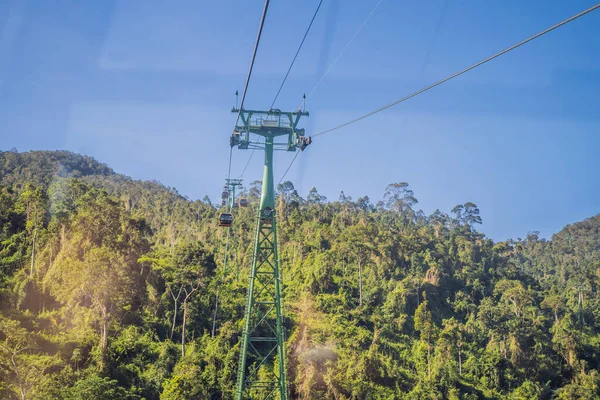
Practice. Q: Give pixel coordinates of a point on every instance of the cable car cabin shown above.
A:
(243, 203)
(225, 194)
(225, 220)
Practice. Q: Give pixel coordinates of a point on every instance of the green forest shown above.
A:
(114, 288)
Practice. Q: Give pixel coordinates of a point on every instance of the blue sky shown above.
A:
(147, 87)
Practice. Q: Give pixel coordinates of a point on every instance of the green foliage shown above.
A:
(94, 387)
(116, 288)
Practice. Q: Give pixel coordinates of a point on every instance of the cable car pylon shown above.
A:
(228, 200)
(261, 369)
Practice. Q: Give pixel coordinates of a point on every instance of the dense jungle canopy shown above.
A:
(108, 287)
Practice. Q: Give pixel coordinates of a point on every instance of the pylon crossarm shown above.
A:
(270, 124)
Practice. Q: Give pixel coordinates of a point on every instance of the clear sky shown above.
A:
(147, 87)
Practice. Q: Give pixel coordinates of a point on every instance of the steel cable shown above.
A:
(537, 35)
(297, 52)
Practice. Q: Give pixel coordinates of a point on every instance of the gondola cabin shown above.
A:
(225, 194)
(225, 220)
(243, 203)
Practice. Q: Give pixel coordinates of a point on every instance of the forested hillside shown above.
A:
(108, 289)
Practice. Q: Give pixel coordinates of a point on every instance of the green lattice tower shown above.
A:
(261, 370)
(232, 185)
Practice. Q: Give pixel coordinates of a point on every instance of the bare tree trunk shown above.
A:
(459, 362)
(22, 387)
(33, 248)
(214, 324)
(581, 308)
(428, 358)
(104, 338)
(183, 327)
(360, 293)
(185, 300)
(175, 299)
(174, 320)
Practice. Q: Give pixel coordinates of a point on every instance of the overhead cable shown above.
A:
(229, 169)
(329, 70)
(249, 159)
(344, 49)
(260, 28)
(288, 168)
(537, 35)
(297, 52)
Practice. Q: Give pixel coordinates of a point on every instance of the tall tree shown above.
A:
(97, 266)
(33, 202)
(400, 199)
(314, 197)
(467, 214)
(183, 273)
(22, 365)
(425, 325)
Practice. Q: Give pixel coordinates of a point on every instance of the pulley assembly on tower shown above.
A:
(272, 123)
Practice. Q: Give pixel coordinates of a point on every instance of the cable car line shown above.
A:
(289, 166)
(329, 70)
(537, 35)
(226, 219)
(249, 159)
(344, 49)
(248, 162)
(287, 74)
(435, 34)
(260, 28)
(297, 52)
(229, 169)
